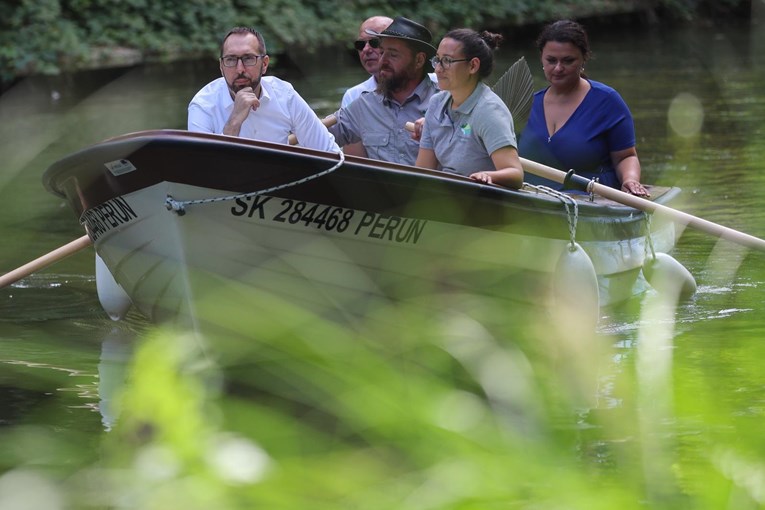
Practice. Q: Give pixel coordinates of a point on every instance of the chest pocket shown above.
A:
(375, 139)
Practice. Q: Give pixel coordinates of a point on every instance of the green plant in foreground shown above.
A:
(459, 409)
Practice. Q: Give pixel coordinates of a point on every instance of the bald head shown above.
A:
(370, 57)
(376, 23)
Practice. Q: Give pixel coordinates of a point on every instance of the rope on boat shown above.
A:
(179, 207)
(566, 200)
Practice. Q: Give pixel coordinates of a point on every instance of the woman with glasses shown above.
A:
(245, 103)
(577, 123)
(468, 130)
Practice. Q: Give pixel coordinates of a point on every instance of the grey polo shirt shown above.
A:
(463, 139)
(379, 123)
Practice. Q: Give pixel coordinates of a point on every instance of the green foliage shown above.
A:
(49, 36)
(35, 37)
(407, 410)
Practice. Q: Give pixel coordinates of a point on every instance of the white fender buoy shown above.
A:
(575, 288)
(665, 274)
(114, 300)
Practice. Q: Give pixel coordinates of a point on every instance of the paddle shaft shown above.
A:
(44, 261)
(621, 197)
(616, 195)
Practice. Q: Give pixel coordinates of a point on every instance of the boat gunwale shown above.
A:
(377, 176)
(65, 164)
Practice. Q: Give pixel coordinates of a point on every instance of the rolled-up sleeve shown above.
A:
(309, 129)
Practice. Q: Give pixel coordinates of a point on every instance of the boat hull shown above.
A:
(189, 224)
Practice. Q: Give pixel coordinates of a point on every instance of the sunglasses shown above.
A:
(360, 44)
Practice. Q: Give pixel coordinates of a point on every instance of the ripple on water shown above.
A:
(43, 297)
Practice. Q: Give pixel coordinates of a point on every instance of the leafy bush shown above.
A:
(35, 37)
(48, 36)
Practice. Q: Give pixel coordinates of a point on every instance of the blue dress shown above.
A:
(600, 125)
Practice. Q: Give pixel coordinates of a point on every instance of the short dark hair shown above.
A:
(566, 31)
(244, 30)
(478, 45)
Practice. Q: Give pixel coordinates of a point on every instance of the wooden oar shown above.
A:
(579, 182)
(44, 261)
(583, 184)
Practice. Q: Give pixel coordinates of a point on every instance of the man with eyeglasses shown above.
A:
(369, 54)
(378, 119)
(245, 103)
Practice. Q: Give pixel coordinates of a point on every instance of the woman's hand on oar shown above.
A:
(328, 121)
(44, 261)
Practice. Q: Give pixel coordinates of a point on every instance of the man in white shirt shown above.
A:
(369, 57)
(244, 102)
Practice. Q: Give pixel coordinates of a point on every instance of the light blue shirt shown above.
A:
(354, 92)
(464, 138)
(369, 85)
(380, 124)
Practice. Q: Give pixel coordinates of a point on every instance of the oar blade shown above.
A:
(516, 89)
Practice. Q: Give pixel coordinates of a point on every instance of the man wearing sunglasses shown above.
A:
(368, 48)
(378, 119)
(245, 103)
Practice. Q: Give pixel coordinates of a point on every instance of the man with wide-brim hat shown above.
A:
(408, 30)
(378, 118)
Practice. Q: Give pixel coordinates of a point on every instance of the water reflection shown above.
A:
(116, 352)
(49, 296)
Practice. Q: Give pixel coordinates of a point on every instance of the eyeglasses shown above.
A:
(446, 62)
(247, 60)
(360, 44)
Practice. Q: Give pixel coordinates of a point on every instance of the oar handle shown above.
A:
(328, 121)
(44, 261)
(621, 197)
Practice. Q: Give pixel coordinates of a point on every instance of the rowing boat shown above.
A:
(184, 223)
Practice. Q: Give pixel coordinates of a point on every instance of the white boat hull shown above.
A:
(339, 247)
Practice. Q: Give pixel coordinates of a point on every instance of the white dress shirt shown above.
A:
(281, 112)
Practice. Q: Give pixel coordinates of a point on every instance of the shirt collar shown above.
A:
(265, 95)
(472, 100)
(421, 91)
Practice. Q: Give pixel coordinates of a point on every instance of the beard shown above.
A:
(250, 82)
(386, 85)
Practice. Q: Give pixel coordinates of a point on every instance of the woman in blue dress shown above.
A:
(578, 123)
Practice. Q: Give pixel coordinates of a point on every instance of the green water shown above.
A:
(679, 395)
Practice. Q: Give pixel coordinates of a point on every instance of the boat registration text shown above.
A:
(107, 216)
(331, 218)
